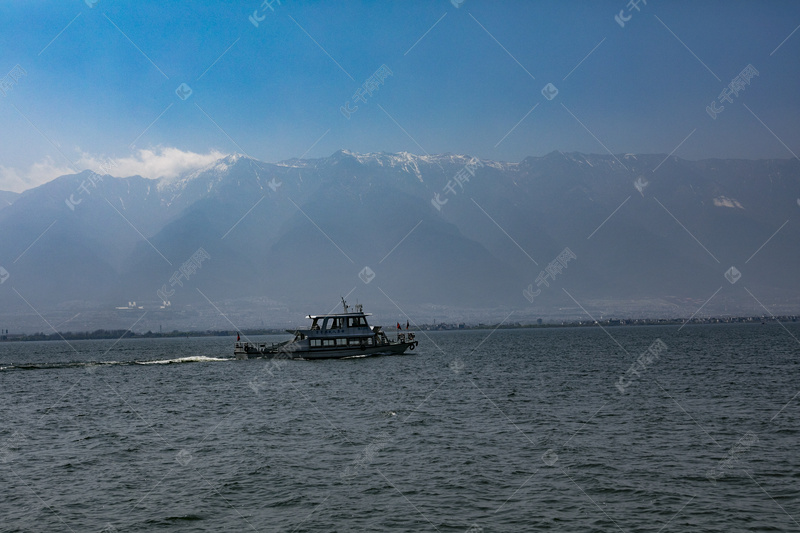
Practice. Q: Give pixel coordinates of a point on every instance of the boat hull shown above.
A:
(245, 350)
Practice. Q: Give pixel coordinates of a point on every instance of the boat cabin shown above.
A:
(340, 330)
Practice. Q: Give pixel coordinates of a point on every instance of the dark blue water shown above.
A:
(520, 431)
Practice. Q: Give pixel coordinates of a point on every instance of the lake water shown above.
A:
(512, 430)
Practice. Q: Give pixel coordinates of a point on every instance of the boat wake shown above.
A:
(192, 359)
(91, 366)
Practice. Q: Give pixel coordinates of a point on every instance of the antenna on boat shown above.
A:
(344, 304)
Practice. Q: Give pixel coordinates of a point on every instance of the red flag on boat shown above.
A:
(398, 325)
(237, 337)
(406, 324)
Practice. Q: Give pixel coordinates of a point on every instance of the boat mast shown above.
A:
(344, 304)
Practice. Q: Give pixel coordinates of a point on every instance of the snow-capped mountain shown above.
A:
(441, 230)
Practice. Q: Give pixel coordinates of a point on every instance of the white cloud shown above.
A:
(16, 180)
(723, 201)
(156, 163)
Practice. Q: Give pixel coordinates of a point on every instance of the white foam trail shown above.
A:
(191, 359)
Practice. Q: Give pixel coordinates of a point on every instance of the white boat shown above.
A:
(332, 336)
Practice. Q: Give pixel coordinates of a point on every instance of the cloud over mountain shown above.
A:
(160, 162)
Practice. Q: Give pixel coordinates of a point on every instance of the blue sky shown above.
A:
(100, 82)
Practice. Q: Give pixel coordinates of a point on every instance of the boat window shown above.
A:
(328, 342)
(341, 342)
(356, 322)
(315, 324)
(316, 342)
(369, 341)
(336, 323)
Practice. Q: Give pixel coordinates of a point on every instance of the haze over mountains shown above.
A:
(652, 236)
(7, 198)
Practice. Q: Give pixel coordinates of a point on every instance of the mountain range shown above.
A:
(442, 237)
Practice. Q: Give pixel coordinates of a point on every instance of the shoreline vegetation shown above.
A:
(115, 334)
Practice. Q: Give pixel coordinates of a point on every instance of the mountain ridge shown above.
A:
(645, 228)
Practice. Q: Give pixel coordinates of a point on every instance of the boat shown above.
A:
(332, 336)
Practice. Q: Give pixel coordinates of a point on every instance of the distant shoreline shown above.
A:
(103, 334)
